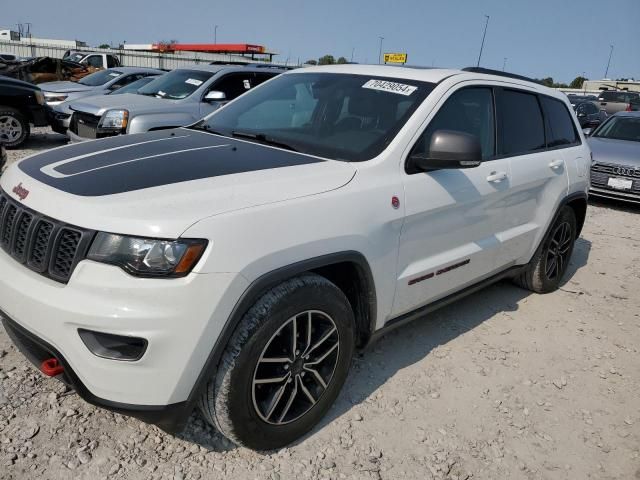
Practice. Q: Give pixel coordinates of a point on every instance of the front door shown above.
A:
(453, 217)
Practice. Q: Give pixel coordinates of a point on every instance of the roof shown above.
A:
(137, 70)
(433, 75)
(204, 67)
(635, 113)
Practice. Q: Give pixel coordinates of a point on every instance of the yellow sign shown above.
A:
(395, 58)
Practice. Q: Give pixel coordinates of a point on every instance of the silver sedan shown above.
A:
(615, 147)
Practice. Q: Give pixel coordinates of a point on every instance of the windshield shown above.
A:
(134, 86)
(620, 128)
(75, 57)
(176, 84)
(99, 78)
(339, 116)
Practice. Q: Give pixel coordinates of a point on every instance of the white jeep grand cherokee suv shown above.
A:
(236, 264)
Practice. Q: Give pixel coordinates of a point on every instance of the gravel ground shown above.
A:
(503, 384)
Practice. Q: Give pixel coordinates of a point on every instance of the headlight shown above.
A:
(114, 120)
(53, 97)
(39, 97)
(147, 257)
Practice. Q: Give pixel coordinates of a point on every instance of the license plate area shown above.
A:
(86, 131)
(620, 183)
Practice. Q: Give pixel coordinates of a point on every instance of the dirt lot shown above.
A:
(504, 384)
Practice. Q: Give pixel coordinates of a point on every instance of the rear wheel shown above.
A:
(14, 127)
(544, 272)
(284, 365)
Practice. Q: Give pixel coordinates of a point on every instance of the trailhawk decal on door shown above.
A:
(133, 162)
(442, 271)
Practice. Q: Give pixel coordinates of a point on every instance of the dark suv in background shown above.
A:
(21, 105)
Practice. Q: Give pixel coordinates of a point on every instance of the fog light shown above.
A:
(113, 347)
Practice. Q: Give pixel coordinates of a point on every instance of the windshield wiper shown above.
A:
(205, 128)
(262, 138)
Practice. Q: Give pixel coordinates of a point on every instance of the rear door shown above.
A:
(535, 132)
(449, 238)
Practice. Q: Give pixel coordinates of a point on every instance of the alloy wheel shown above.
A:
(10, 128)
(558, 252)
(295, 367)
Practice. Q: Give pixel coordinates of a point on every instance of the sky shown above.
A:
(539, 38)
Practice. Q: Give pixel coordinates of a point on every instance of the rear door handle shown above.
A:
(496, 177)
(556, 164)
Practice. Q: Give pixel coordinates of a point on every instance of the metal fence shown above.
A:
(128, 58)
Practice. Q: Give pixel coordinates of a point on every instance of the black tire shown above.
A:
(544, 272)
(14, 127)
(239, 408)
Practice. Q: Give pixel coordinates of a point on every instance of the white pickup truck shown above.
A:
(92, 59)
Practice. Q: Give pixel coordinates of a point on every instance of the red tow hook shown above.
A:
(51, 367)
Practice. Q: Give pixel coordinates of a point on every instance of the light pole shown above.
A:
(504, 63)
(215, 34)
(486, 24)
(380, 51)
(606, 72)
(352, 52)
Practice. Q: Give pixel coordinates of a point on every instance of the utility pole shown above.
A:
(606, 72)
(215, 34)
(380, 51)
(504, 63)
(486, 24)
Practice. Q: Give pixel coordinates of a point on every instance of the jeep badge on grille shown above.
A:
(20, 191)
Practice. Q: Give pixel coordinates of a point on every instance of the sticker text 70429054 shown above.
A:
(392, 87)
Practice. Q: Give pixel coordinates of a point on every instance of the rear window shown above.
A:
(521, 125)
(613, 97)
(560, 127)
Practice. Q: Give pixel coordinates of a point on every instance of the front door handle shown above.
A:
(556, 164)
(496, 177)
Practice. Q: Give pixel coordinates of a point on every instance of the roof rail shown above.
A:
(500, 73)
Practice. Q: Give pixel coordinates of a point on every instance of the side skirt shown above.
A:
(443, 302)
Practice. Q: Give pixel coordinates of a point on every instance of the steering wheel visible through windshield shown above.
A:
(338, 116)
(176, 85)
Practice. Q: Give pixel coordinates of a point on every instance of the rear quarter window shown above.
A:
(521, 128)
(559, 124)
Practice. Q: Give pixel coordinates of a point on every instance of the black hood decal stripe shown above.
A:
(114, 166)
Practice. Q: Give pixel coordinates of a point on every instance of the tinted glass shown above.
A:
(95, 61)
(134, 86)
(620, 128)
(613, 97)
(99, 78)
(234, 84)
(521, 126)
(339, 116)
(469, 110)
(111, 61)
(176, 84)
(560, 129)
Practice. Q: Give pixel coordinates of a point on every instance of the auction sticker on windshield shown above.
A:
(393, 87)
(193, 81)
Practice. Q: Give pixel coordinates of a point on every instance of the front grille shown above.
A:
(44, 245)
(601, 172)
(84, 124)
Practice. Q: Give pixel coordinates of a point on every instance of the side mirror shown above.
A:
(215, 96)
(449, 149)
(115, 86)
(587, 131)
(582, 115)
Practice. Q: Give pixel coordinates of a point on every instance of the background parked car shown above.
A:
(615, 148)
(60, 94)
(618, 101)
(589, 114)
(21, 104)
(92, 59)
(178, 98)
(576, 99)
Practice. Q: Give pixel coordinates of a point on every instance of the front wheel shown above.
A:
(544, 272)
(14, 127)
(284, 365)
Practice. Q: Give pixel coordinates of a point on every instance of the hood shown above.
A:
(160, 183)
(64, 87)
(129, 101)
(609, 150)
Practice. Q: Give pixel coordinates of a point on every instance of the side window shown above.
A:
(234, 84)
(469, 110)
(95, 61)
(560, 127)
(519, 123)
(591, 109)
(111, 61)
(261, 78)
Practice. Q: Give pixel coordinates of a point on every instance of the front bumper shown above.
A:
(615, 195)
(180, 318)
(58, 121)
